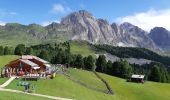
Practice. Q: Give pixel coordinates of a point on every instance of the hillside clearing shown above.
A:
(6, 59)
(87, 78)
(61, 86)
(135, 91)
(81, 48)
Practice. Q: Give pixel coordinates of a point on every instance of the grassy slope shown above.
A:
(17, 96)
(87, 77)
(6, 59)
(2, 80)
(127, 90)
(81, 48)
(134, 91)
(63, 87)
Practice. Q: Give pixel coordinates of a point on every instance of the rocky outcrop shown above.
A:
(82, 25)
(161, 37)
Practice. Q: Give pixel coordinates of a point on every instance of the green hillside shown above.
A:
(17, 96)
(134, 91)
(6, 59)
(83, 48)
(62, 86)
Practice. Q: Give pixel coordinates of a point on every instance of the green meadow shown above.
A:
(62, 86)
(79, 47)
(6, 59)
(17, 96)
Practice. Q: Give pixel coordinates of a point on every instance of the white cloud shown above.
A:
(46, 23)
(59, 8)
(4, 13)
(148, 20)
(2, 23)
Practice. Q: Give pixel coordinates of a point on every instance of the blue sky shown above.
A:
(46, 11)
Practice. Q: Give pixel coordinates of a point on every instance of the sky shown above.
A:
(143, 13)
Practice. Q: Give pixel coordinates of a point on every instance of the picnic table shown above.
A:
(31, 77)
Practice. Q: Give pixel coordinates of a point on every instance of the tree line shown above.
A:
(133, 52)
(153, 72)
(6, 50)
(54, 53)
(60, 54)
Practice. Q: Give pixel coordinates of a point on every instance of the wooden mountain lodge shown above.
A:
(27, 64)
(137, 78)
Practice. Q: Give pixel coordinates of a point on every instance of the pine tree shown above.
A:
(7, 51)
(89, 64)
(44, 55)
(29, 51)
(155, 74)
(79, 61)
(101, 64)
(1, 50)
(20, 49)
(109, 67)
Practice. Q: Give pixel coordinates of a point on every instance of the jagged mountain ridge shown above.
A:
(80, 25)
(161, 37)
(83, 26)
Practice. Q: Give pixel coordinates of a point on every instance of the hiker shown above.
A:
(27, 87)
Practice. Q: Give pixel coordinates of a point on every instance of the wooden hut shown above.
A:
(137, 78)
(27, 64)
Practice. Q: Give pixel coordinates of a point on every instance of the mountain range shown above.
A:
(82, 25)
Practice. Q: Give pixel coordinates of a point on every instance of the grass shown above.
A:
(63, 87)
(88, 78)
(82, 48)
(134, 91)
(17, 96)
(2, 80)
(6, 59)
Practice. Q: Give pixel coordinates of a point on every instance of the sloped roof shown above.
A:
(34, 57)
(137, 76)
(41, 60)
(33, 65)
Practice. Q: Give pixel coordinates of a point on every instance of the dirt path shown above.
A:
(34, 94)
(8, 82)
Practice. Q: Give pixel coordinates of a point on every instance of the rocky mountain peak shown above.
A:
(159, 30)
(132, 28)
(85, 13)
(104, 21)
(160, 36)
(81, 25)
(77, 17)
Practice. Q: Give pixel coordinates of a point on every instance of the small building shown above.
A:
(27, 64)
(137, 78)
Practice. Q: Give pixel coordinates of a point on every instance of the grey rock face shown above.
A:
(82, 25)
(161, 37)
(137, 61)
(137, 36)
